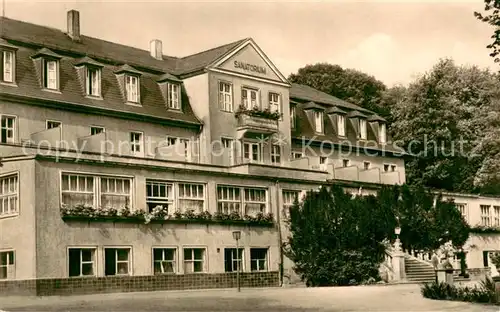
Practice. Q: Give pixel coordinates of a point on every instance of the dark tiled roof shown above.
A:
(306, 93)
(198, 61)
(312, 105)
(72, 91)
(376, 118)
(302, 96)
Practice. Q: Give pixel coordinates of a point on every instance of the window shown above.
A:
(228, 199)
(50, 124)
(252, 152)
(366, 165)
(9, 195)
(496, 214)
(7, 129)
(258, 259)
(106, 192)
(233, 260)
(485, 215)
(249, 98)
(386, 167)
(393, 168)
(345, 162)
(81, 261)
(173, 96)
(7, 262)
(185, 148)
(171, 141)
(136, 143)
(463, 209)
(116, 261)
(50, 74)
(255, 201)
(228, 145)
(194, 260)
(93, 81)
(159, 194)
(132, 88)
(297, 155)
(318, 120)
(293, 117)
(96, 130)
(225, 96)
(289, 198)
(323, 162)
(275, 102)
(362, 129)
(276, 154)
(191, 197)
(341, 125)
(382, 133)
(115, 192)
(164, 260)
(8, 63)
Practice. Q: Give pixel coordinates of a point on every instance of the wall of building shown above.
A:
(18, 232)
(197, 91)
(32, 119)
(224, 124)
(54, 235)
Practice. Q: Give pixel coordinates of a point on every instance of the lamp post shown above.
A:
(237, 236)
(397, 243)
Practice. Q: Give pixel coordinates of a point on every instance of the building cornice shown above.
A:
(87, 109)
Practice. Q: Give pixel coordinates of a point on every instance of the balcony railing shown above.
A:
(93, 143)
(50, 138)
(256, 121)
(178, 152)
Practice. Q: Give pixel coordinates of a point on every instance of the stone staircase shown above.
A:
(418, 271)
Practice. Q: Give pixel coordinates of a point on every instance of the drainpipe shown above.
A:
(280, 240)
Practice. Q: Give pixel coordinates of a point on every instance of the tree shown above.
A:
(442, 121)
(338, 239)
(492, 17)
(347, 84)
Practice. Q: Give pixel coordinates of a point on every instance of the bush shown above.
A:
(485, 293)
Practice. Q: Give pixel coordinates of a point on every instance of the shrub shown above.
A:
(485, 293)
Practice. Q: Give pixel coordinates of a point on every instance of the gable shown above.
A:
(249, 60)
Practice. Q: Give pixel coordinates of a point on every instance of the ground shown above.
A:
(362, 298)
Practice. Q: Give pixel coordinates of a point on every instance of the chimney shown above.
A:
(156, 49)
(74, 25)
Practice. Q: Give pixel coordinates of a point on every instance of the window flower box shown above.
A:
(160, 215)
(258, 112)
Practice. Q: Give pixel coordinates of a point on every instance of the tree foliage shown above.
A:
(491, 16)
(338, 239)
(448, 120)
(347, 84)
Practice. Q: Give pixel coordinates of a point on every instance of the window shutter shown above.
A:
(1, 63)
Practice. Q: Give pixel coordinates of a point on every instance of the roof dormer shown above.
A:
(7, 62)
(379, 126)
(315, 113)
(129, 80)
(358, 120)
(171, 88)
(90, 73)
(337, 116)
(48, 66)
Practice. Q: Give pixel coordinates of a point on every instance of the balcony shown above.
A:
(51, 138)
(353, 173)
(256, 122)
(180, 151)
(391, 178)
(93, 143)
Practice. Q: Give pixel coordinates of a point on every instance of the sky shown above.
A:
(394, 41)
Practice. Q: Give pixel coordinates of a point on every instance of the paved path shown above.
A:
(405, 298)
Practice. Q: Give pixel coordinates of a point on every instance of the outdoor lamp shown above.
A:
(397, 230)
(237, 236)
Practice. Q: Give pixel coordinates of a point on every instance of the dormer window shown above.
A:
(341, 125)
(8, 65)
(173, 98)
(50, 74)
(382, 133)
(93, 81)
(362, 129)
(132, 88)
(318, 121)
